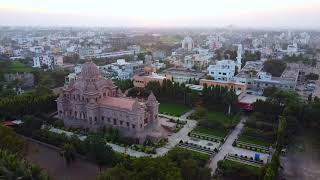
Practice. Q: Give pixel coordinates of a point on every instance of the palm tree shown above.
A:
(230, 98)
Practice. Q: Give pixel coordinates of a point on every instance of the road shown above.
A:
(227, 146)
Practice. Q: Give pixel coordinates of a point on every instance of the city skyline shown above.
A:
(142, 13)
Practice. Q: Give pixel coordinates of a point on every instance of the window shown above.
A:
(115, 121)
(239, 88)
(224, 73)
(102, 118)
(109, 120)
(140, 125)
(128, 124)
(90, 120)
(121, 122)
(133, 126)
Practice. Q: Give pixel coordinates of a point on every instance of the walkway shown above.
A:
(227, 146)
(173, 140)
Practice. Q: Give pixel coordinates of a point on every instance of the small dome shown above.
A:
(89, 71)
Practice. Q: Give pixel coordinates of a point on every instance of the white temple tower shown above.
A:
(239, 56)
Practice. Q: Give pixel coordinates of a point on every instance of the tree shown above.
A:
(31, 123)
(11, 142)
(116, 173)
(12, 167)
(312, 76)
(99, 151)
(274, 67)
(231, 99)
(189, 169)
(68, 153)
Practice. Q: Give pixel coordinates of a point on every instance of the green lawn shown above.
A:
(17, 66)
(173, 109)
(200, 155)
(253, 140)
(169, 39)
(222, 117)
(213, 132)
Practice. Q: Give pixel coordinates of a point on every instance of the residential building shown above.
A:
(187, 43)
(223, 70)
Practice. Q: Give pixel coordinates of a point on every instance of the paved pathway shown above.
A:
(173, 140)
(227, 146)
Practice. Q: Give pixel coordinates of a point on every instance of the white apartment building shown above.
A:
(121, 69)
(223, 70)
(196, 60)
(187, 43)
(47, 60)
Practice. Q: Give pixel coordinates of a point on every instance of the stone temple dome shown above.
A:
(90, 70)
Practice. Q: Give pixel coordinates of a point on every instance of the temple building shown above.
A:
(92, 102)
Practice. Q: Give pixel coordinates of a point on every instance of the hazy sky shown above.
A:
(162, 13)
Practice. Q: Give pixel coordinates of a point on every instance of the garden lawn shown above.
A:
(220, 117)
(214, 132)
(252, 140)
(195, 153)
(223, 118)
(173, 109)
(17, 66)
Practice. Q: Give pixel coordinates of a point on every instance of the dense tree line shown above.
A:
(312, 76)
(179, 164)
(18, 106)
(14, 167)
(12, 164)
(290, 112)
(123, 84)
(168, 91)
(220, 98)
(212, 97)
(299, 58)
(11, 142)
(236, 171)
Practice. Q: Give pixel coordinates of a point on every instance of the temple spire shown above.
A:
(152, 97)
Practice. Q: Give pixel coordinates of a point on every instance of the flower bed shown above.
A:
(252, 147)
(206, 137)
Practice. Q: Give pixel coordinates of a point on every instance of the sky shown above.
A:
(162, 13)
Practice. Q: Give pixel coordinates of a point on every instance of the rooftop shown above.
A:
(123, 103)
